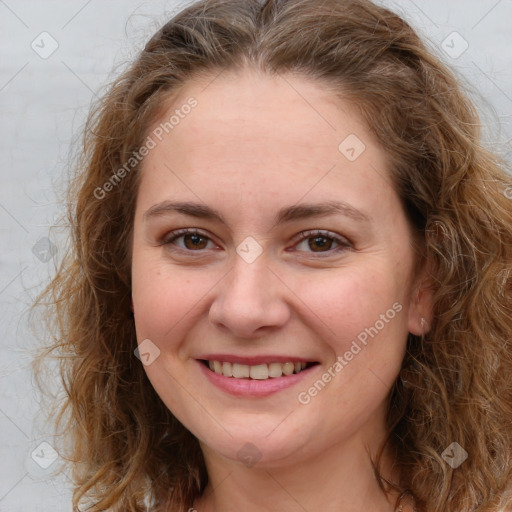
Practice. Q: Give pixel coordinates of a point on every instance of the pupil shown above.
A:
(321, 242)
(195, 241)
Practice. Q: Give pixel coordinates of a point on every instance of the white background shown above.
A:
(43, 105)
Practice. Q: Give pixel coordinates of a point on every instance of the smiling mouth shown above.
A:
(258, 371)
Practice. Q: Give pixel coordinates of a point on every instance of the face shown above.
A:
(270, 245)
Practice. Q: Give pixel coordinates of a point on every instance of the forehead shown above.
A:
(281, 137)
(251, 106)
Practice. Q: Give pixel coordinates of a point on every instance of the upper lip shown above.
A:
(254, 360)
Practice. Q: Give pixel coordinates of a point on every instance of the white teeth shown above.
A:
(288, 368)
(240, 371)
(275, 370)
(257, 372)
(227, 369)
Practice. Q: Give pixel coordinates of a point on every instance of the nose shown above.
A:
(250, 300)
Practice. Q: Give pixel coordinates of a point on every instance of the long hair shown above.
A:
(126, 448)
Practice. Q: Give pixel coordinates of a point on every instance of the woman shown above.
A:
(288, 286)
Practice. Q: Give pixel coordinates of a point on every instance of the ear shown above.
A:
(422, 301)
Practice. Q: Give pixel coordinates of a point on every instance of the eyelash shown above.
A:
(344, 244)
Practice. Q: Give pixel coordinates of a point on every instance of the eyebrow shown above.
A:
(286, 214)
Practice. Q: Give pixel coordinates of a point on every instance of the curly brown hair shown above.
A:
(126, 448)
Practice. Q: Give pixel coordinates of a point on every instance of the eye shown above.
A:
(192, 240)
(321, 241)
(317, 241)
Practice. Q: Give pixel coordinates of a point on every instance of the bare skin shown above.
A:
(252, 146)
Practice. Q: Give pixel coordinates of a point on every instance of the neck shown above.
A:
(340, 478)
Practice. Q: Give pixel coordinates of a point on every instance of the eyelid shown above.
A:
(183, 231)
(343, 242)
(169, 238)
(310, 233)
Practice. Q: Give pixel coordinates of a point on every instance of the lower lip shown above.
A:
(253, 387)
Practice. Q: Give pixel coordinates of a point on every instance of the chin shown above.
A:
(266, 446)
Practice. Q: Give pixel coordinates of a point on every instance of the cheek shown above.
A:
(351, 300)
(169, 300)
(161, 298)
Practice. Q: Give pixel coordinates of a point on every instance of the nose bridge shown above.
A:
(250, 279)
(250, 297)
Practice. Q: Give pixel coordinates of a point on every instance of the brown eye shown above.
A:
(194, 241)
(319, 241)
(188, 240)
